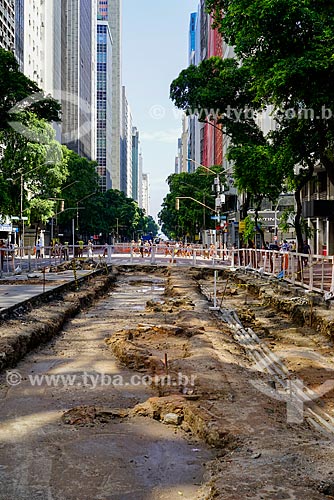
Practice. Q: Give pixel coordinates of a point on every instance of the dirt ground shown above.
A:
(262, 455)
(229, 434)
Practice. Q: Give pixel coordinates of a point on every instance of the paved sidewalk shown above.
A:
(15, 290)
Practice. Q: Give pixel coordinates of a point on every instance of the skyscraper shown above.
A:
(126, 147)
(110, 11)
(79, 21)
(145, 193)
(19, 32)
(135, 164)
(104, 103)
(7, 24)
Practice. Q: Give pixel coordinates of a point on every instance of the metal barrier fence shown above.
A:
(313, 272)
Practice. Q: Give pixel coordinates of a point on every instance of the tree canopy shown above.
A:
(287, 46)
(283, 66)
(192, 215)
(19, 94)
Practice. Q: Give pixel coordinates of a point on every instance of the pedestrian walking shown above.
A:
(38, 249)
(2, 254)
(66, 250)
(90, 249)
(307, 252)
(80, 249)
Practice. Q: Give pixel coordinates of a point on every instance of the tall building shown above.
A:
(140, 180)
(205, 140)
(182, 164)
(55, 44)
(178, 157)
(19, 32)
(145, 193)
(79, 21)
(110, 11)
(104, 103)
(7, 24)
(126, 147)
(192, 37)
(34, 40)
(212, 131)
(135, 164)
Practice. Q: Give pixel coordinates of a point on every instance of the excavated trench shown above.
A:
(73, 423)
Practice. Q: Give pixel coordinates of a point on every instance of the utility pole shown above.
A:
(218, 201)
(21, 210)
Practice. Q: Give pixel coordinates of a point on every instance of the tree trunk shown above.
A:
(329, 166)
(257, 227)
(298, 228)
(244, 208)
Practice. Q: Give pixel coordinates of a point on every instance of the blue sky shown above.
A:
(154, 51)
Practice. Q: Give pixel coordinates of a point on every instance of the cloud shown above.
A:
(168, 136)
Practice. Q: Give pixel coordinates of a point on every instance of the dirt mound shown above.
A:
(85, 415)
(150, 347)
(195, 420)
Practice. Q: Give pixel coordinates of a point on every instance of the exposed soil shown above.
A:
(262, 455)
(87, 439)
(202, 398)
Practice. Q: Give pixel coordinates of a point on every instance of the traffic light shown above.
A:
(177, 204)
(62, 208)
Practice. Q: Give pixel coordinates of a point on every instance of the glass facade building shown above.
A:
(110, 12)
(135, 164)
(19, 32)
(104, 104)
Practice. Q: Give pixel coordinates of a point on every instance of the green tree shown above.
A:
(111, 213)
(284, 50)
(287, 46)
(151, 226)
(82, 181)
(192, 215)
(33, 168)
(19, 94)
(257, 172)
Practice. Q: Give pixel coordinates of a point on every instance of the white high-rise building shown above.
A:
(110, 10)
(34, 41)
(140, 180)
(126, 147)
(135, 164)
(146, 193)
(7, 28)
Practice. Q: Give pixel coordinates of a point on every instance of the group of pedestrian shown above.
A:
(286, 246)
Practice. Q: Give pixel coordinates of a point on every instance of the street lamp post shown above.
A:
(77, 202)
(275, 218)
(21, 210)
(62, 207)
(219, 195)
(21, 193)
